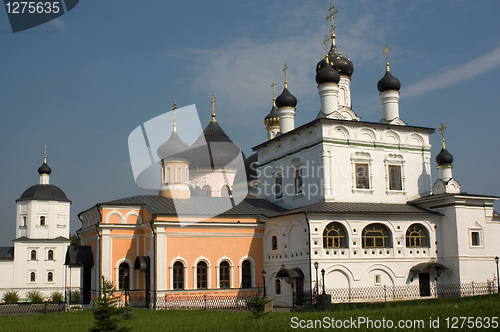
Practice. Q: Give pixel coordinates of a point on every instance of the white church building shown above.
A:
(36, 262)
(362, 207)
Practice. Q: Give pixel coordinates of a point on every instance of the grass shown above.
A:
(173, 320)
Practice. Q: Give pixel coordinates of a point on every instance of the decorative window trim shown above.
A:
(476, 229)
(361, 157)
(273, 247)
(30, 274)
(53, 277)
(209, 272)
(409, 238)
(393, 159)
(339, 236)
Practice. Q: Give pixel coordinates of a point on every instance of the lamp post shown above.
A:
(316, 266)
(323, 276)
(264, 279)
(498, 280)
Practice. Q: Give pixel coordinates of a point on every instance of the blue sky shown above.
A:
(82, 83)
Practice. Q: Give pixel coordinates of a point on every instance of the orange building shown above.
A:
(184, 240)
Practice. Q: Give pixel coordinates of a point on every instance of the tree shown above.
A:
(74, 240)
(106, 309)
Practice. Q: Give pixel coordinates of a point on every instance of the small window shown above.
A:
(278, 190)
(274, 243)
(24, 220)
(378, 279)
(50, 277)
(42, 221)
(207, 191)
(299, 185)
(277, 285)
(32, 277)
(178, 275)
(224, 275)
(50, 255)
(475, 238)
(201, 275)
(362, 181)
(33, 255)
(395, 178)
(124, 276)
(246, 274)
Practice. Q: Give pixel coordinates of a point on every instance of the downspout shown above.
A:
(98, 255)
(154, 261)
(310, 253)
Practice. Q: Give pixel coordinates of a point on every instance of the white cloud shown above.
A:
(454, 76)
(61, 26)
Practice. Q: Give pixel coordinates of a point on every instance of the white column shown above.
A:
(287, 118)
(390, 105)
(328, 95)
(326, 174)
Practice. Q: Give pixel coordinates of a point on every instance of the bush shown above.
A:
(10, 297)
(57, 297)
(74, 297)
(35, 296)
(257, 305)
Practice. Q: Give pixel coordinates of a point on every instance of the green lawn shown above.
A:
(161, 320)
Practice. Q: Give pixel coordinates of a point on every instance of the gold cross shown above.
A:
(325, 43)
(274, 93)
(45, 155)
(213, 108)
(441, 129)
(331, 18)
(386, 52)
(175, 125)
(285, 67)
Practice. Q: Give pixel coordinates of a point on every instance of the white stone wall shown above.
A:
(56, 219)
(329, 151)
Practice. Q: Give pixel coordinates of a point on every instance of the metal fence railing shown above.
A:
(409, 292)
(30, 308)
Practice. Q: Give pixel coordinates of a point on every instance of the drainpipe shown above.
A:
(310, 253)
(154, 261)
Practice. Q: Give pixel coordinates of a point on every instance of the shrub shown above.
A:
(74, 297)
(106, 309)
(257, 305)
(10, 297)
(35, 296)
(57, 297)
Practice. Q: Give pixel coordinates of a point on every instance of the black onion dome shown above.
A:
(286, 99)
(44, 169)
(327, 74)
(214, 150)
(272, 119)
(44, 192)
(388, 82)
(340, 63)
(444, 158)
(173, 146)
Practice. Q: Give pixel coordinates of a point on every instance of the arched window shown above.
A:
(123, 276)
(207, 191)
(169, 175)
(299, 185)
(274, 243)
(334, 236)
(201, 275)
(178, 275)
(42, 221)
(224, 191)
(277, 286)
(224, 278)
(246, 274)
(32, 276)
(416, 236)
(50, 277)
(50, 255)
(33, 255)
(178, 175)
(376, 236)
